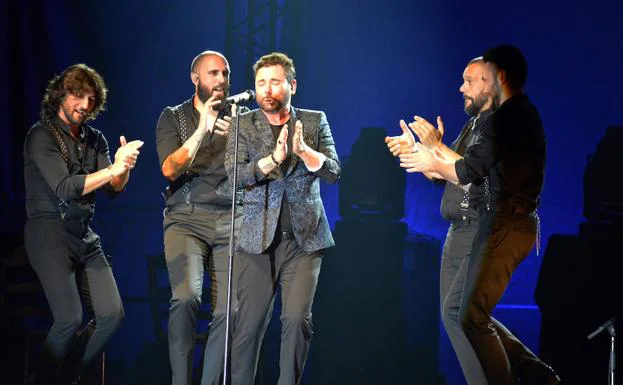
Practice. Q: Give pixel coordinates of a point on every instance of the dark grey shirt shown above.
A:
(207, 176)
(285, 220)
(50, 182)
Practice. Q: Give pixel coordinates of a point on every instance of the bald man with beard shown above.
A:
(191, 139)
(510, 156)
(455, 205)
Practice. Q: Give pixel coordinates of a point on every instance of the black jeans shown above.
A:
(501, 243)
(197, 240)
(68, 259)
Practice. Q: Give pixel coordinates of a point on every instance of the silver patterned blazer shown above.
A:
(263, 194)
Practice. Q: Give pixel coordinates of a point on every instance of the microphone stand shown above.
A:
(230, 264)
(608, 325)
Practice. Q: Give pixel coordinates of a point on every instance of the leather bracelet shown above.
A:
(272, 158)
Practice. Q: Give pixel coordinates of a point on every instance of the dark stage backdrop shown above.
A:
(366, 64)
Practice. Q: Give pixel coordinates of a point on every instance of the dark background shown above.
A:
(366, 64)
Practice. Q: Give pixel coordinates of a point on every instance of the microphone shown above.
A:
(242, 97)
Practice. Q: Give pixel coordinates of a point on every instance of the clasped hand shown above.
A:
(209, 117)
(299, 147)
(126, 155)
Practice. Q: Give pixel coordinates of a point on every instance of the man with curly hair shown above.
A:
(65, 161)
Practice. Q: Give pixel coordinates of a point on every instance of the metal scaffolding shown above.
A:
(253, 28)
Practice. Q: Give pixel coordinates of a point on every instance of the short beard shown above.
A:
(477, 104)
(278, 106)
(69, 116)
(204, 93)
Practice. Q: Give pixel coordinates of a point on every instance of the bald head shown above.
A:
(209, 72)
(199, 59)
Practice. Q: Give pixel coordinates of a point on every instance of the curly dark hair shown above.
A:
(76, 79)
(277, 58)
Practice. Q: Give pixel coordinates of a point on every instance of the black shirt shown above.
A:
(50, 182)
(206, 175)
(511, 151)
(455, 203)
(285, 220)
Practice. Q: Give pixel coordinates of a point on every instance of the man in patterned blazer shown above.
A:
(283, 153)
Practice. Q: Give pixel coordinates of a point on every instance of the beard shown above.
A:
(273, 104)
(477, 103)
(69, 115)
(204, 93)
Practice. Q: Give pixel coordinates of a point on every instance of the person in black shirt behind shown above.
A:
(65, 161)
(511, 153)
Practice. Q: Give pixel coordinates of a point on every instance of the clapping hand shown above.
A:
(281, 147)
(126, 155)
(401, 144)
(428, 135)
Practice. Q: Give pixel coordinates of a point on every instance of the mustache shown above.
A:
(223, 86)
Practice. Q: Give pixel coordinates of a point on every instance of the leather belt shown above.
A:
(196, 208)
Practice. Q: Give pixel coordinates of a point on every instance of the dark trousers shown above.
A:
(454, 263)
(68, 259)
(195, 241)
(297, 272)
(500, 244)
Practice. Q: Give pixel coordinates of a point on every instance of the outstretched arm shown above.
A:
(432, 162)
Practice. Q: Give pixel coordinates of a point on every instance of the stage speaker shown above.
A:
(376, 310)
(371, 181)
(603, 194)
